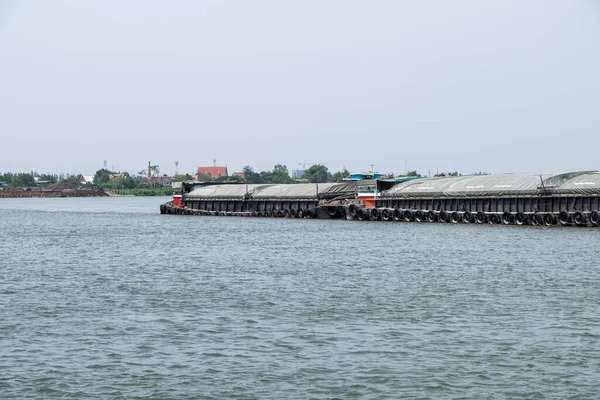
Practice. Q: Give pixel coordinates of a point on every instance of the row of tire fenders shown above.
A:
(292, 213)
(577, 218)
(508, 218)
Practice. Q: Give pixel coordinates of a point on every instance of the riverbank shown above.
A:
(29, 192)
(37, 192)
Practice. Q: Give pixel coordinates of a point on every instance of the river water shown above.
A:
(105, 298)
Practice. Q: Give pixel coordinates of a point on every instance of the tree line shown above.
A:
(141, 184)
(120, 182)
(280, 174)
(25, 179)
(317, 173)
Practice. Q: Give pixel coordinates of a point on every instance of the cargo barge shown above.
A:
(512, 199)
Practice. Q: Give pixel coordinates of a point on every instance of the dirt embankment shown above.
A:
(55, 190)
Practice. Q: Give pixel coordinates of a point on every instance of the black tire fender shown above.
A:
(563, 217)
(480, 217)
(444, 217)
(352, 210)
(595, 218)
(467, 217)
(579, 218)
(431, 217)
(375, 214)
(362, 214)
(419, 216)
(386, 214)
(455, 217)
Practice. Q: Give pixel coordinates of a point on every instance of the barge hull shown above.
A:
(523, 199)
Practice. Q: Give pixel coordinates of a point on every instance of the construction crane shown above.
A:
(303, 164)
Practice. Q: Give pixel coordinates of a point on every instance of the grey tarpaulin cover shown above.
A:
(304, 191)
(585, 183)
(231, 192)
(499, 185)
(262, 192)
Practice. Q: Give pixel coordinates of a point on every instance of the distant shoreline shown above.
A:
(35, 192)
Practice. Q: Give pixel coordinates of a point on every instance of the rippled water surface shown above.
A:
(105, 298)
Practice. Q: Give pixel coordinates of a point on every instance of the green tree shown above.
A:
(120, 181)
(154, 173)
(183, 178)
(204, 178)
(250, 176)
(7, 177)
(23, 180)
(413, 173)
(102, 176)
(281, 174)
(129, 182)
(73, 180)
(340, 175)
(265, 177)
(317, 173)
(231, 179)
(48, 178)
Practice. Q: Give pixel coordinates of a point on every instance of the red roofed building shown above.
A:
(213, 172)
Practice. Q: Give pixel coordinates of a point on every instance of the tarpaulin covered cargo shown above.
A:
(271, 191)
(304, 191)
(497, 185)
(587, 183)
(229, 192)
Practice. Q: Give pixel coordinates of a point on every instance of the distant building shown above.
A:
(213, 172)
(116, 176)
(239, 174)
(86, 179)
(297, 173)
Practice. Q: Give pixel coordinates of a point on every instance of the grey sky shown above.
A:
(504, 86)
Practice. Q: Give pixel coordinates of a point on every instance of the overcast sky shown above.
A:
(504, 86)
